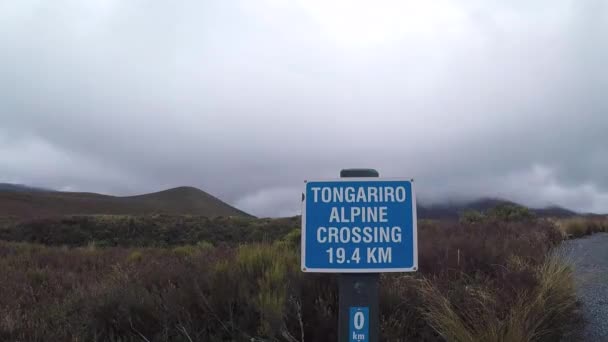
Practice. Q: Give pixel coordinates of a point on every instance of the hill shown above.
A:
(19, 187)
(181, 200)
(453, 210)
(23, 201)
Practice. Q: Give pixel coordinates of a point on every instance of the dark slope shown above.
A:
(20, 188)
(182, 200)
(453, 210)
(187, 200)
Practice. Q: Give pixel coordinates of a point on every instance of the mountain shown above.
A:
(182, 200)
(19, 187)
(453, 210)
(555, 211)
(24, 201)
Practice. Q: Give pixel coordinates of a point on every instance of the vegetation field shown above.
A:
(489, 277)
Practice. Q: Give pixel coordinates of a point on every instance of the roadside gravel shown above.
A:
(589, 255)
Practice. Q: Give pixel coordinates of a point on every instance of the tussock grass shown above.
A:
(542, 313)
(580, 226)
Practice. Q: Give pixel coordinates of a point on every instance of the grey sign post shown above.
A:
(359, 226)
(358, 289)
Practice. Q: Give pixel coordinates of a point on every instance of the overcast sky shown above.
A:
(246, 99)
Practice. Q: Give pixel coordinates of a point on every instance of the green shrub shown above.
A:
(185, 251)
(294, 237)
(472, 217)
(510, 213)
(204, 245)
(500, 213)
(135, 256)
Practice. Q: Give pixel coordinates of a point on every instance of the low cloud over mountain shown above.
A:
(471, 98)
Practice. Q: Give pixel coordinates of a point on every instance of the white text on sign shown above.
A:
(359, 225)
(364, 214)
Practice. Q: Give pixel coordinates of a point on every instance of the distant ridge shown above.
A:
(20, 202)
(453, 210)
(24, 201)
(19, 187)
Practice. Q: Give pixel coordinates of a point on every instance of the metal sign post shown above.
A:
(359, 290)
(359, 226)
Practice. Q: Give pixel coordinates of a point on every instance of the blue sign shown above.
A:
(358, 324)
(365, 225)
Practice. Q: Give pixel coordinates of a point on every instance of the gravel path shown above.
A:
(590, 258)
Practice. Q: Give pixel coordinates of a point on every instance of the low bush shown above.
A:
(510, 213)
(472, 217)
(146, 230)
(500, 213)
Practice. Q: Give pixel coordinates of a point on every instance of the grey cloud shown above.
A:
(471, 98)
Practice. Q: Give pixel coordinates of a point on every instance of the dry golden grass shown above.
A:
(536, 315)
(580, 226)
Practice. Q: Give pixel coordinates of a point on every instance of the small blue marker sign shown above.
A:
(358, 324)
(359, 225)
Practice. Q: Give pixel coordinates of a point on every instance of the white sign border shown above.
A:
(414, 268)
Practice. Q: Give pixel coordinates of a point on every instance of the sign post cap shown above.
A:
(347, 173)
